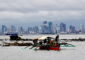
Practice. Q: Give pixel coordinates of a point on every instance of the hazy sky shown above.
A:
(29, 12)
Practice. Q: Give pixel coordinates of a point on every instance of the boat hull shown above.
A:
(49, 48)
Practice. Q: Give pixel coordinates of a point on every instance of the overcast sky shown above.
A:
(29, 12)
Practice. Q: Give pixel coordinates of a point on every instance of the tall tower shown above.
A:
(45, 27)
(82, 28)
(12, 29)
(72, 29)
(4, 29)
(57, 28)
(21, 30)
(50, 27)
(62, 27)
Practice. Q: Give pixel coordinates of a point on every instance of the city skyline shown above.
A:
(33, 12)
(47, 27)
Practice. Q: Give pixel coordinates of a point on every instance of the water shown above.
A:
(62, 36)
(66, 53)
(19, 53)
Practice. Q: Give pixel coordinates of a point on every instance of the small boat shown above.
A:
(49, 47)
(49, 43)
(55, 48)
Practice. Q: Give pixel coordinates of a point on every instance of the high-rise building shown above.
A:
(4, 29)
(31, 30)
(12, 29)
(28, 30)
(40, 29)
(72, 29)
(57, 28)
(45, 27)
(82, 29)
(62, 27)
(36, 29)
(50, 27)
(21, 30)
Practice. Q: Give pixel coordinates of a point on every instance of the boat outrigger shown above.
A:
(50, 43)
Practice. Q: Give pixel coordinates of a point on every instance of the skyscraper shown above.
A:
(36, 29)
(21, 30)
(12, 29)
(62, 27)
(50, 27)
(45, 27)
(57, 28)
(4, 29)
(72, 29)
(82, 29)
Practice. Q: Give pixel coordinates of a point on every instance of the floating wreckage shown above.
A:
(42, 43)
(15, 40)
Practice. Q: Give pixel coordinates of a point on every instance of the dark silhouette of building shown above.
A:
(4, 29)
(12, 29)
(45, 28)
(72, 29)
(62, 27)
(21, 30)
(50, 27)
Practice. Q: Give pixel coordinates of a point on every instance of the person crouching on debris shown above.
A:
(57, 41)
(40, 43)
(35, 42)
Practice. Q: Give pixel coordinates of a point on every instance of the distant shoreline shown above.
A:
(34, 36)
(50, 34)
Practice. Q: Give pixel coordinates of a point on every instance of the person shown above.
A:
(40, 43)
(57, 39)
(45, 41)
(35, 42)
(48, 40)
